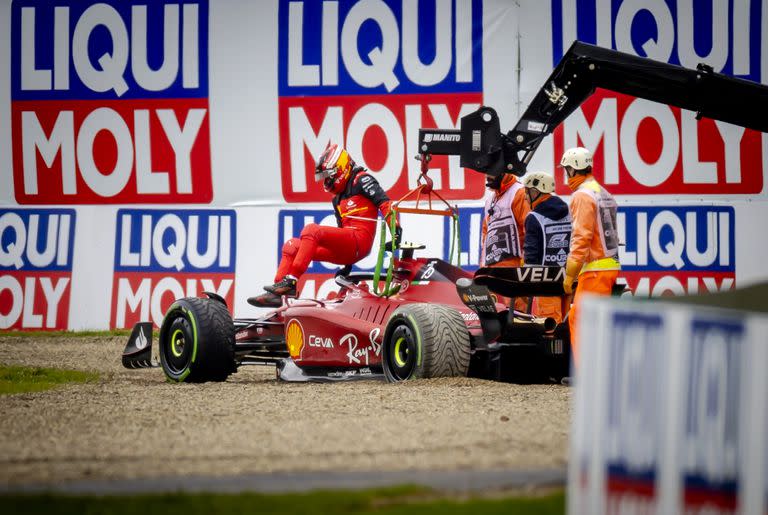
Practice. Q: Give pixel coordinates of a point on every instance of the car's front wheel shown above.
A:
(425, 340)
(197, 341)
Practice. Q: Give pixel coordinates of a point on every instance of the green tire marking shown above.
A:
(398, 361)
(418, 340)
(173, 342)
(194, 333)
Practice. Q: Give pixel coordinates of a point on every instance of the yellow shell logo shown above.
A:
(294, 338)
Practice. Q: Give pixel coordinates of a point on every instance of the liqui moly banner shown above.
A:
(670, 401)
(161, 256)
(677, 249)
(109, 102)
(369, 74)
(35, 267)
(646, 148)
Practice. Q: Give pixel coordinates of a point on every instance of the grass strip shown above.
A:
(14, 379)
(392, 501)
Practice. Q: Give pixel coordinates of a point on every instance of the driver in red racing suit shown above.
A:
(358, 198)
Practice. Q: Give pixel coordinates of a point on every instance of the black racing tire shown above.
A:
(425, 340)
(197, 341)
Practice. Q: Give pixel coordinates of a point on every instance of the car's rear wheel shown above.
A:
(425, 340)
(197, 341)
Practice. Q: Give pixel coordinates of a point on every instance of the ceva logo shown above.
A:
(161, 256)
(109, 102)
(368, 74)
(646, 148)
(35, 267)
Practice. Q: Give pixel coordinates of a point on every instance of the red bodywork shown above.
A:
(347, 331)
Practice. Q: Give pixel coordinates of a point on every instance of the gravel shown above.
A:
(133, 424)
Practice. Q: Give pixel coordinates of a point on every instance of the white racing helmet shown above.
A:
(541, 181)
(577, 158)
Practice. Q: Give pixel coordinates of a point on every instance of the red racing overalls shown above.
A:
(356, 208)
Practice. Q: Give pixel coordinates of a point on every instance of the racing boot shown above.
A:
(286, 286)
(266, 300)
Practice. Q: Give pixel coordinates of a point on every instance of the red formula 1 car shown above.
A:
(432, 321)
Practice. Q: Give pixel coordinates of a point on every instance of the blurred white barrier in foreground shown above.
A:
(670, 410)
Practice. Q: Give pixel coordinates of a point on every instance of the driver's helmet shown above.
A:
(334, 166)
(541, 181)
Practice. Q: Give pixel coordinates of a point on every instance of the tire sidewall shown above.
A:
(178, 310)
(398, 319)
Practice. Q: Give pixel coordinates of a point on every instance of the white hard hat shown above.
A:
(577, 158)
(541, 181)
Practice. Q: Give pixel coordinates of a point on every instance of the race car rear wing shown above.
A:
(484, 148)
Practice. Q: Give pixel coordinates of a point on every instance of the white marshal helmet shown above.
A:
(577, 158)
(541, 181)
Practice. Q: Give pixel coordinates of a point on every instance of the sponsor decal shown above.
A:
(109, 102)
(36, 247)
(320, 341)
(368, 74)
(161, 256)
(539, 274)
(633, 431)
(294, 338)
(710, 448)
(674, 250)
(358, 355)
(649, 148)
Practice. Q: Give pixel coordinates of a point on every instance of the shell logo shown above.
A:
(294, 338)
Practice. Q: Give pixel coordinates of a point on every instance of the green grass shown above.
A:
(31, 379)
(65, 334)
(403, 500)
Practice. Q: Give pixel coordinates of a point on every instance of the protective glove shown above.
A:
(396, 239)
(572, 269)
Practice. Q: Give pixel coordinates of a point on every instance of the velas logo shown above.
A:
(368, 74)
(633, 437)
(712, 427)
(161, 256)
(109, 102)
(35, 267)
(677, 249)
(648, 148)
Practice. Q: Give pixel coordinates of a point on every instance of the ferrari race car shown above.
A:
(432, 318)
